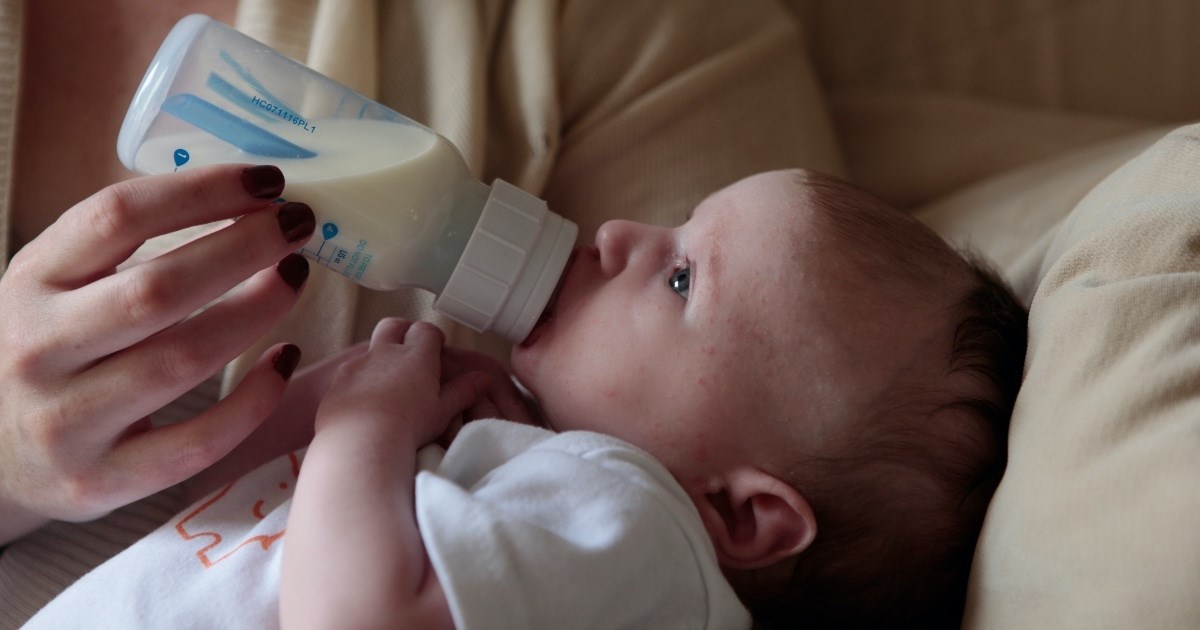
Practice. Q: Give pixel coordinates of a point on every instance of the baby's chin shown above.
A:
(522, 361)
(517, 356)
(524, 370)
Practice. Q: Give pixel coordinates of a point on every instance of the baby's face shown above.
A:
(686, 341)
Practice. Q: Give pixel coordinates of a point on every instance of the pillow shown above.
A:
(1010, 218)
(1095, 522)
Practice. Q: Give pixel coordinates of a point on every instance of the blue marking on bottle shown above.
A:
(239, 132)
(254, 83)
(237, 97)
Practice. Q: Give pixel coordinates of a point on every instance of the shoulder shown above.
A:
(554, 476)
(566, 505)
(484, 446)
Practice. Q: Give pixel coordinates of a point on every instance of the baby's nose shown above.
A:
(614, 240)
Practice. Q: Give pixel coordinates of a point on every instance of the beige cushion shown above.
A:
(1097, 521)
(1117, 57)
(909, 147)
(1012, 217)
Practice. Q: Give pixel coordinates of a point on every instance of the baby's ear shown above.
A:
(754, 519)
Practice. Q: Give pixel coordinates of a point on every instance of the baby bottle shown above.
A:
(394, 201)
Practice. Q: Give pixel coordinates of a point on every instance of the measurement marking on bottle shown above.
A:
(316, 255)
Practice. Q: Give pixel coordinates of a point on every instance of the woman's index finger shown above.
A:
(103, 230)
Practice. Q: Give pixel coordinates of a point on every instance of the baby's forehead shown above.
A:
(817, 248)
(795, 233)
(889, 242)
(810, 202)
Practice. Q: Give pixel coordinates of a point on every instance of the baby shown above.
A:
(824, 378)
(796, 404)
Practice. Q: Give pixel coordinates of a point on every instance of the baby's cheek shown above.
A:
(618, 383)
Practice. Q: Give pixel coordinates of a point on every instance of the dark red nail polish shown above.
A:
(286, 360)
(296, 221)
(294, 270)
(263, 182)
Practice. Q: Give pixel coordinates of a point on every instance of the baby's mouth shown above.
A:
(548, 312)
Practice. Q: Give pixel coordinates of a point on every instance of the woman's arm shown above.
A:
(354, 555)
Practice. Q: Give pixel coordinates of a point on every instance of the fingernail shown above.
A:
(294, 270)
(263, 182)
(286, 360)
(296, 221)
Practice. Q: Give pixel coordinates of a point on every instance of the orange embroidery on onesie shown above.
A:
(215, 552)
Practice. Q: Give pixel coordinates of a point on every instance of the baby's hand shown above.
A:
(501, 400)
(397, 385)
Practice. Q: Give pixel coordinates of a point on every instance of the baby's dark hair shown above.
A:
(900, 502)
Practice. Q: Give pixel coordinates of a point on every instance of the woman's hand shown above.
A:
(396, 388)
(87, 352)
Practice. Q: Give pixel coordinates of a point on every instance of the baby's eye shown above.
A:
(680, 281)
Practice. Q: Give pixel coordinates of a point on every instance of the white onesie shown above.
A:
(526, 528)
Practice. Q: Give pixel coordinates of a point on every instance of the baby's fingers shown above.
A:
(422, 339)
(504, 401)
(427, 340)
(461, 393)
(388, 331)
